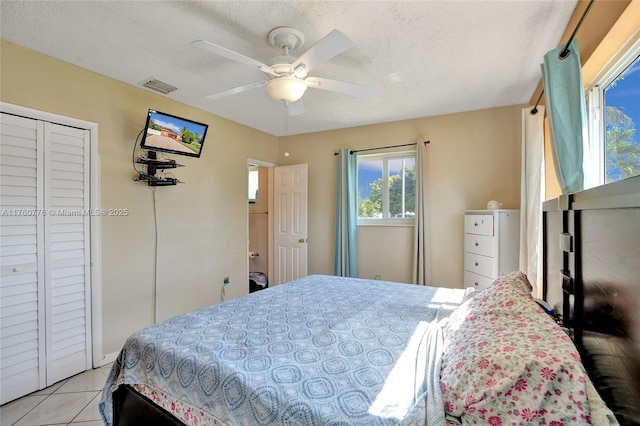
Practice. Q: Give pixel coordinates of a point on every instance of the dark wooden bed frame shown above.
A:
(132, 409)
(591, 272)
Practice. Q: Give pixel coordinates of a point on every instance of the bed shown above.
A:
(342, 351)
(313, 351)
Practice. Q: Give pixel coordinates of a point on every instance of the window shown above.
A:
(614, 111)
(253, 183)
(386, 188)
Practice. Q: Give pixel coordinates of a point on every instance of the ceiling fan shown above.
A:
(289, 75)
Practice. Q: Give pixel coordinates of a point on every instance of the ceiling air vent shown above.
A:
(159, 86)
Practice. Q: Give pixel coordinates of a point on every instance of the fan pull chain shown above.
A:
(286, 127)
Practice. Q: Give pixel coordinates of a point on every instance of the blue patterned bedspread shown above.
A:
(317, 351)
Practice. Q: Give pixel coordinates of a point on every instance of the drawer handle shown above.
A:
(477, 244)
(475, 223)
(16, 269)
(476, 284)
(477, 264)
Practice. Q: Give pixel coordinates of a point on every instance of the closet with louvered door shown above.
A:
(45, 317)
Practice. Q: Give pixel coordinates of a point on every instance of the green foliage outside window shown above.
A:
(622, 144)
(623, 151)
(371, 207)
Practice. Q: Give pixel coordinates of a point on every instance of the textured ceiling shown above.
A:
(424, 58)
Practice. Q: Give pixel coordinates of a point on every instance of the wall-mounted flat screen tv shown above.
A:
(176, 135)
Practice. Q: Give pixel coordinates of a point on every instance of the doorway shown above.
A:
(276, 221)
(259, 223)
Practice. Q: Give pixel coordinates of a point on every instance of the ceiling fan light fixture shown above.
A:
(288, 89)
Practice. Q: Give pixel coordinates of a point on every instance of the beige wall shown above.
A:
(201, 224)
(386, 251)
(473, 157)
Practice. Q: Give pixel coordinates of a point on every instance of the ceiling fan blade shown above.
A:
(341, 87)
(236, 90)
(234, 56)
(296, 108)
(329, 46)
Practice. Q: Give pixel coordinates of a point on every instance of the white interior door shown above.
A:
(67, 252)
(290, 223)
(22, 370)
(45, 309)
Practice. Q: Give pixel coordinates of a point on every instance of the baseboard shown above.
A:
(107, 359)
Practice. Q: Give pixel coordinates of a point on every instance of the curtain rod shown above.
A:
(565, 51)
(382, 147)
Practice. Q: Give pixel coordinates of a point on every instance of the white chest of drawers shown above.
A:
(491, 245)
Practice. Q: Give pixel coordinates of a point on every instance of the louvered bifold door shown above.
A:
(66, 195)
(45, 313)
(22, 368)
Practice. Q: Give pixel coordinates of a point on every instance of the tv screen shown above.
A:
(176, 135)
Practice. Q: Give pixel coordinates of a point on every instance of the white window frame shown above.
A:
(385, 220)
(594, 163)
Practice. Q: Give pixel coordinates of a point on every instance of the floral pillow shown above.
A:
(508, 362)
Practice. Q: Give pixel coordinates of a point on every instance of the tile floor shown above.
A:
(73, 401)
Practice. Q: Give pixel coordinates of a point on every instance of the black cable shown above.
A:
(133, 154)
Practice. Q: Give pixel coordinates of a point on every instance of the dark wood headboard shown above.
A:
(591, 269)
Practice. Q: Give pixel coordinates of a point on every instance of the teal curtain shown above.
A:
(566, 109)
(346, 238)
